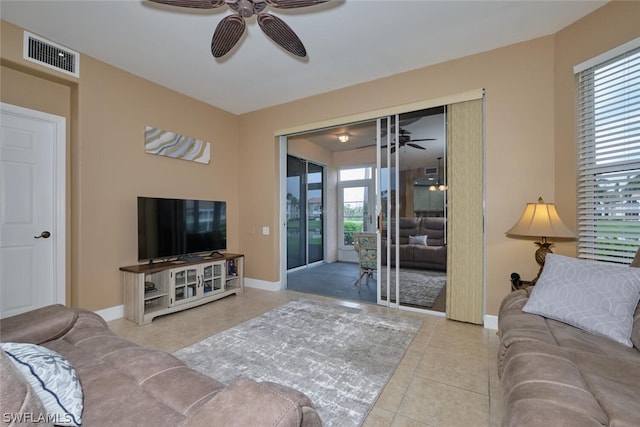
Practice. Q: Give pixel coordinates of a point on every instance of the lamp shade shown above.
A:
(540, 220)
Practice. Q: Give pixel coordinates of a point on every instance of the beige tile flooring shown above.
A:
(447, 378)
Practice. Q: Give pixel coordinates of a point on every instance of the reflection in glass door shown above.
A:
(386, 209)
(305, 230)
(315, 246)
(411, 200)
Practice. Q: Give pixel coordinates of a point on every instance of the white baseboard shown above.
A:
(111, 313)
(263, 284)
(491, 322)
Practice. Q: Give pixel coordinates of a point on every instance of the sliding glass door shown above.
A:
(315, 229)
(411, 207)
(386, 209)
(304, 212)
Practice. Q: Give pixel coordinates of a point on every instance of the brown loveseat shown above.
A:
(554, 374)
(125, 384)
(416, 250)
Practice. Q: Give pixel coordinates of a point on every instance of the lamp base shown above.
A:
(516, 283)
(544, 248)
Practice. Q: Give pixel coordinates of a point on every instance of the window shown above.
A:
(352, 174)
(357, 198)
(608, 128)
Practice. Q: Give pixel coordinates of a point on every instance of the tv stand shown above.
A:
(190, 258)
(159, 288)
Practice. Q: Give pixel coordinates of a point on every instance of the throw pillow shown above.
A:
(418, 240)
(52, 378)
(594, 296)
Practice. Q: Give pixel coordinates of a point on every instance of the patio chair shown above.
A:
(365, 244)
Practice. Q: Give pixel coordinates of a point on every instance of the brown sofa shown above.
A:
(432, 255)
(554, 374)
(125, 384)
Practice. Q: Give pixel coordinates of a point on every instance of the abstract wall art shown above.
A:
(170, 144)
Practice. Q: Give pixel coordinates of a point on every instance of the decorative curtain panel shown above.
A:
(465, 242)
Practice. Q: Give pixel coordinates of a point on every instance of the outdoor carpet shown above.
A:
(340, 357)
(417, 287)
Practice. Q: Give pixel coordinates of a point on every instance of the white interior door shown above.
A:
(32, 210)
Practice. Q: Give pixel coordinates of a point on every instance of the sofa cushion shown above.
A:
(52, 378)
(595, 296)
(408, 227)
(150, 369)
(430, 255)
(17, 397)
(613, 381)
(543, 386)
(262, 403)
(434, 227)
(38, 326)
(635, 329)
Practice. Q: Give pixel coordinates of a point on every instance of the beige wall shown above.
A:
(609, 27)
(43, 95)
(529, 107)
(528, 147)
(519, 143)
(109, 109)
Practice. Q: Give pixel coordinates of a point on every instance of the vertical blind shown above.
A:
(465, 211)
(608, 128)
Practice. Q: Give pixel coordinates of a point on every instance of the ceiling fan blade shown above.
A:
(393, 145)
(282, 34)
(416, 146)
(227, 34)
(194, 4)
(423, 139)
(292, 4)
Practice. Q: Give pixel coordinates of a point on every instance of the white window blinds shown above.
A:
(609, 158)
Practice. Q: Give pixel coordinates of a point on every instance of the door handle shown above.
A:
(45, 235)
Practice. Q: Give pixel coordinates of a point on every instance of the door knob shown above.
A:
(45, 235)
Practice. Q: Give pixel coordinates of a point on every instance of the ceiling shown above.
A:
(422, 124)
(348, 41)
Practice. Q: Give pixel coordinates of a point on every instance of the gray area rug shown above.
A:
(417, 287)
(340, 357)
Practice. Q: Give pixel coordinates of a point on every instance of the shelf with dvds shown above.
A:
(155, 289)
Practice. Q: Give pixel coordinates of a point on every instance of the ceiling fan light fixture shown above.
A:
(344, 137)
(440, 185)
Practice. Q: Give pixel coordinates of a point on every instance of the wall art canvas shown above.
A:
(165, 143)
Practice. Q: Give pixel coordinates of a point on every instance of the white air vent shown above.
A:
(51, 55)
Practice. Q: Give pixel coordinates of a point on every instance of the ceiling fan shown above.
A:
(231, 28)
(405, 139)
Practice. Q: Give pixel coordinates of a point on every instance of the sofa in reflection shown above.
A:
(421, 243)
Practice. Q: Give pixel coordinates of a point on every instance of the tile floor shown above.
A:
(447, 378)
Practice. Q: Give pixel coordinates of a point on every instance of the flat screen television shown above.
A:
(180, 228)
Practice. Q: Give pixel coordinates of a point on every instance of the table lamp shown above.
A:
(540, 220)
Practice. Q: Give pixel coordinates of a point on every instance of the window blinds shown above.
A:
(608, 127)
